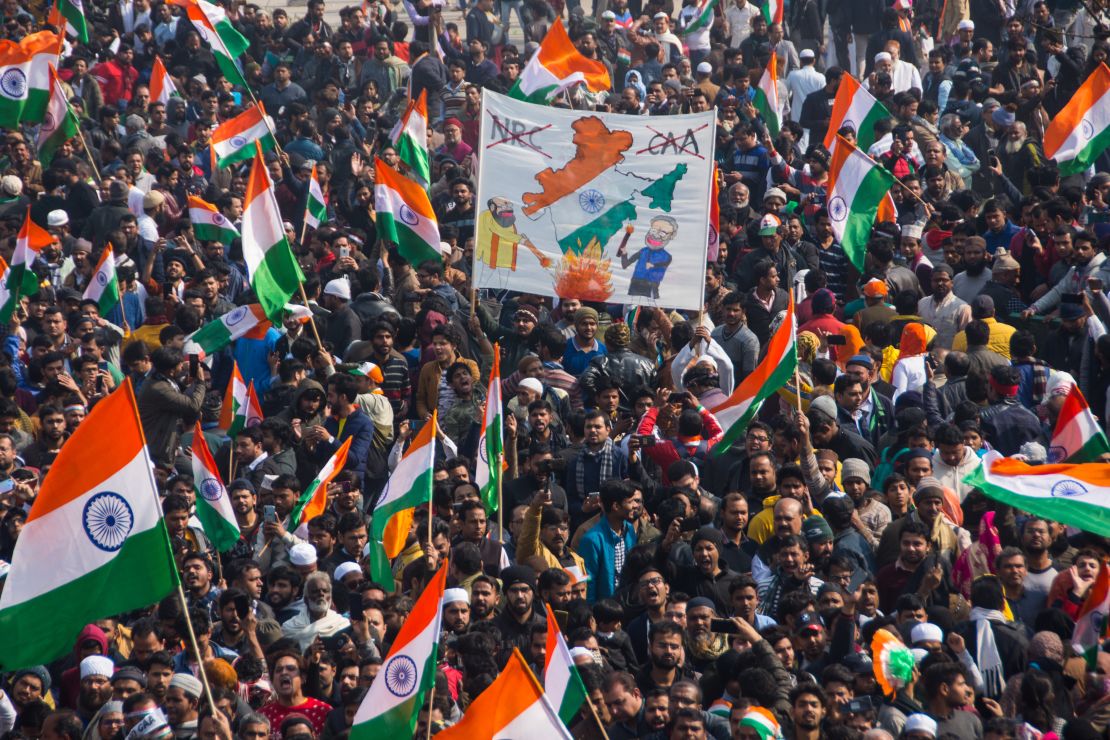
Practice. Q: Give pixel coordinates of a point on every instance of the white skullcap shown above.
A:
(57, 217)
(340, 288)
(806, 54)
(345, 569)
(531, 384)
(580, 651)
(926, 632)
(920, 723)
(188, 684)
(302, 554)
(661, 14)
(966, 26)
(97, 665)
(912, 230)
(883, 56)
(451, 595)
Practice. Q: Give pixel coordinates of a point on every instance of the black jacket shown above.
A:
(1008, 425)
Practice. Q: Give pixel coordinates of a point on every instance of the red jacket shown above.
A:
(115, 82)
(666, 451)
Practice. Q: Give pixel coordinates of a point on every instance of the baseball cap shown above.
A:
(769, 225)
(809, 621)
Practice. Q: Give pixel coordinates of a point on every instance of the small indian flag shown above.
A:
(249, 320)
(59, 125)
(94, 543)
(274, 272)
(161, 84)
(394, 699)
(1080, 132)
(8, 300)
(772, 373)
(704, 17)
(1076, 495)
(767, 100)
(487, 475)
(1093, 619)
(1077, 438)
(213, 504)
(714, 218)
(405, 216)
(214, 27)
(857, 109)
(561, 681)
(856, 188)
(513, 706)
(763, 722)
(74, 13)
(772, 11)
(208, 223)
(22, 279)
(235, 398)
(410, 139)
(409, 486)
(314, 500)
(25, 77)
(234, 140)
(104, 287)
(556, 66)
(316, 210)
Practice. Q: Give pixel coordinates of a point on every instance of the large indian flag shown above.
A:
(556, 66)
(22, 279)
(213, 504)
(94, 544)
(208, 223)
(561, 681)
(273, 270)
(58, 126)
(487, 474)
(234, 140)
(409, 486)
(767, 100)
(410, 139)
(1092, 621)
(513, 707)
(856, 188)
(104, 287)
(1081, 131)
(1077, 438)
(394, 698)
(1076, 495)
(856, 108)
(212, 23)
(773, 372)
(244, 321)
(405, 216)
(25, 77)
(313, 500)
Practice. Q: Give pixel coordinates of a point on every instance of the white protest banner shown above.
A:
(595, 206)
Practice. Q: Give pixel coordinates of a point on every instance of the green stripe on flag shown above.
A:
(494, 446)
(703, 18)
(1063, 509)
(277, 278)
(418, 494)
(220, 532)
(1092, 449)
(415, 156)
(865, 132)
(247, 151)
(603, 228)
(574, 697)
(42, 629)
(1087, 155)
(862, 211)
(399, 721)
(213, 233)
(782, 375)
(763, 105)
(539, 96)
(109, 299)
(410, 245)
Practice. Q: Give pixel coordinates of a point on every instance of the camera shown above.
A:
(553, 465)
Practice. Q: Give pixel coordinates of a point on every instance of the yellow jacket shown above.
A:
(999, 340)
(529, 548)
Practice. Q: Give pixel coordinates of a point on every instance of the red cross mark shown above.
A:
(523, 138)
(661, 141)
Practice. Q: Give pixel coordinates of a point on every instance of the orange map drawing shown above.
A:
(598, 149)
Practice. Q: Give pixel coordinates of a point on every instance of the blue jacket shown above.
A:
(597, 549)
(253, 356)
(358, 426)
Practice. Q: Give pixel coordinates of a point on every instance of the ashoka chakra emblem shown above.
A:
(108, 520)
(591, 201)
(218, 219)
(1057, 454)
(210, 489)
(101, 279)
(1068, 488)
(238, 142)
(401, 675)
(408, 215)
(838, 209)
(13, 84)
(849, 123)
(1086, 129)
(236, 316)
(48, 122)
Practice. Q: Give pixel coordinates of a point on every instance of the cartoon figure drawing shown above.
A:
(652, 259)
(497, 241)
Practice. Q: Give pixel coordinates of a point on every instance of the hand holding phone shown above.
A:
(269, 513)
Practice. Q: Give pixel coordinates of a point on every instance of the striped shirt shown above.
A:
(836, 265)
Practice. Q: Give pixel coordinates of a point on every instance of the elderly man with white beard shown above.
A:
(316, 618)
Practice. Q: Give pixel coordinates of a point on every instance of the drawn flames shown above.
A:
(584, 276)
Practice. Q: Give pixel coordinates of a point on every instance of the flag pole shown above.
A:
(88, 153)
(797, 360)
(431, 698)
(311, 316)
(500, 506)
(596, 716)
(195, 648)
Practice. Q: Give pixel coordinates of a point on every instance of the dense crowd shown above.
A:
(696, 576)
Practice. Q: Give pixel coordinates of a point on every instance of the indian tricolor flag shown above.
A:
(227, 43)
(556, 66)
(1076, 495)
(1081, 131)
(60, 124)
(409, 486)
(314, 499)
(234, 140)
(1094, 618)
(410, 139)
(22, 279)
(703, 19)
(273, 270)
(405, 216)
(69, 16)
(714, 217)
(208, 223)
(245, 321)
(93, 545)
(763, 722)
(487, 476)
(235, 398)
(1077, 438)
(856, 187)
(394, 699)
(772, 373)
(772, 11)
(25, 77)
(767, 100)
(512, 707)
(857, 109)
(561, 681)
(8, 299)
(161, 84)
(104, 286)
(316, 208)
(213, 504)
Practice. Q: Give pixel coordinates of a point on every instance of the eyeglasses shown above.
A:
(651, 582)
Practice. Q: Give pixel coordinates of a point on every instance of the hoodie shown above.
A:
(70, 683)
(952, 477)
(305, 464)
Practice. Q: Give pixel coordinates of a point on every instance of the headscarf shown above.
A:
(978, 560)
(913, 340)
(853, 345)
(807, 346)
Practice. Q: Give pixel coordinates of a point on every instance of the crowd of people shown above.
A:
(704, 582)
